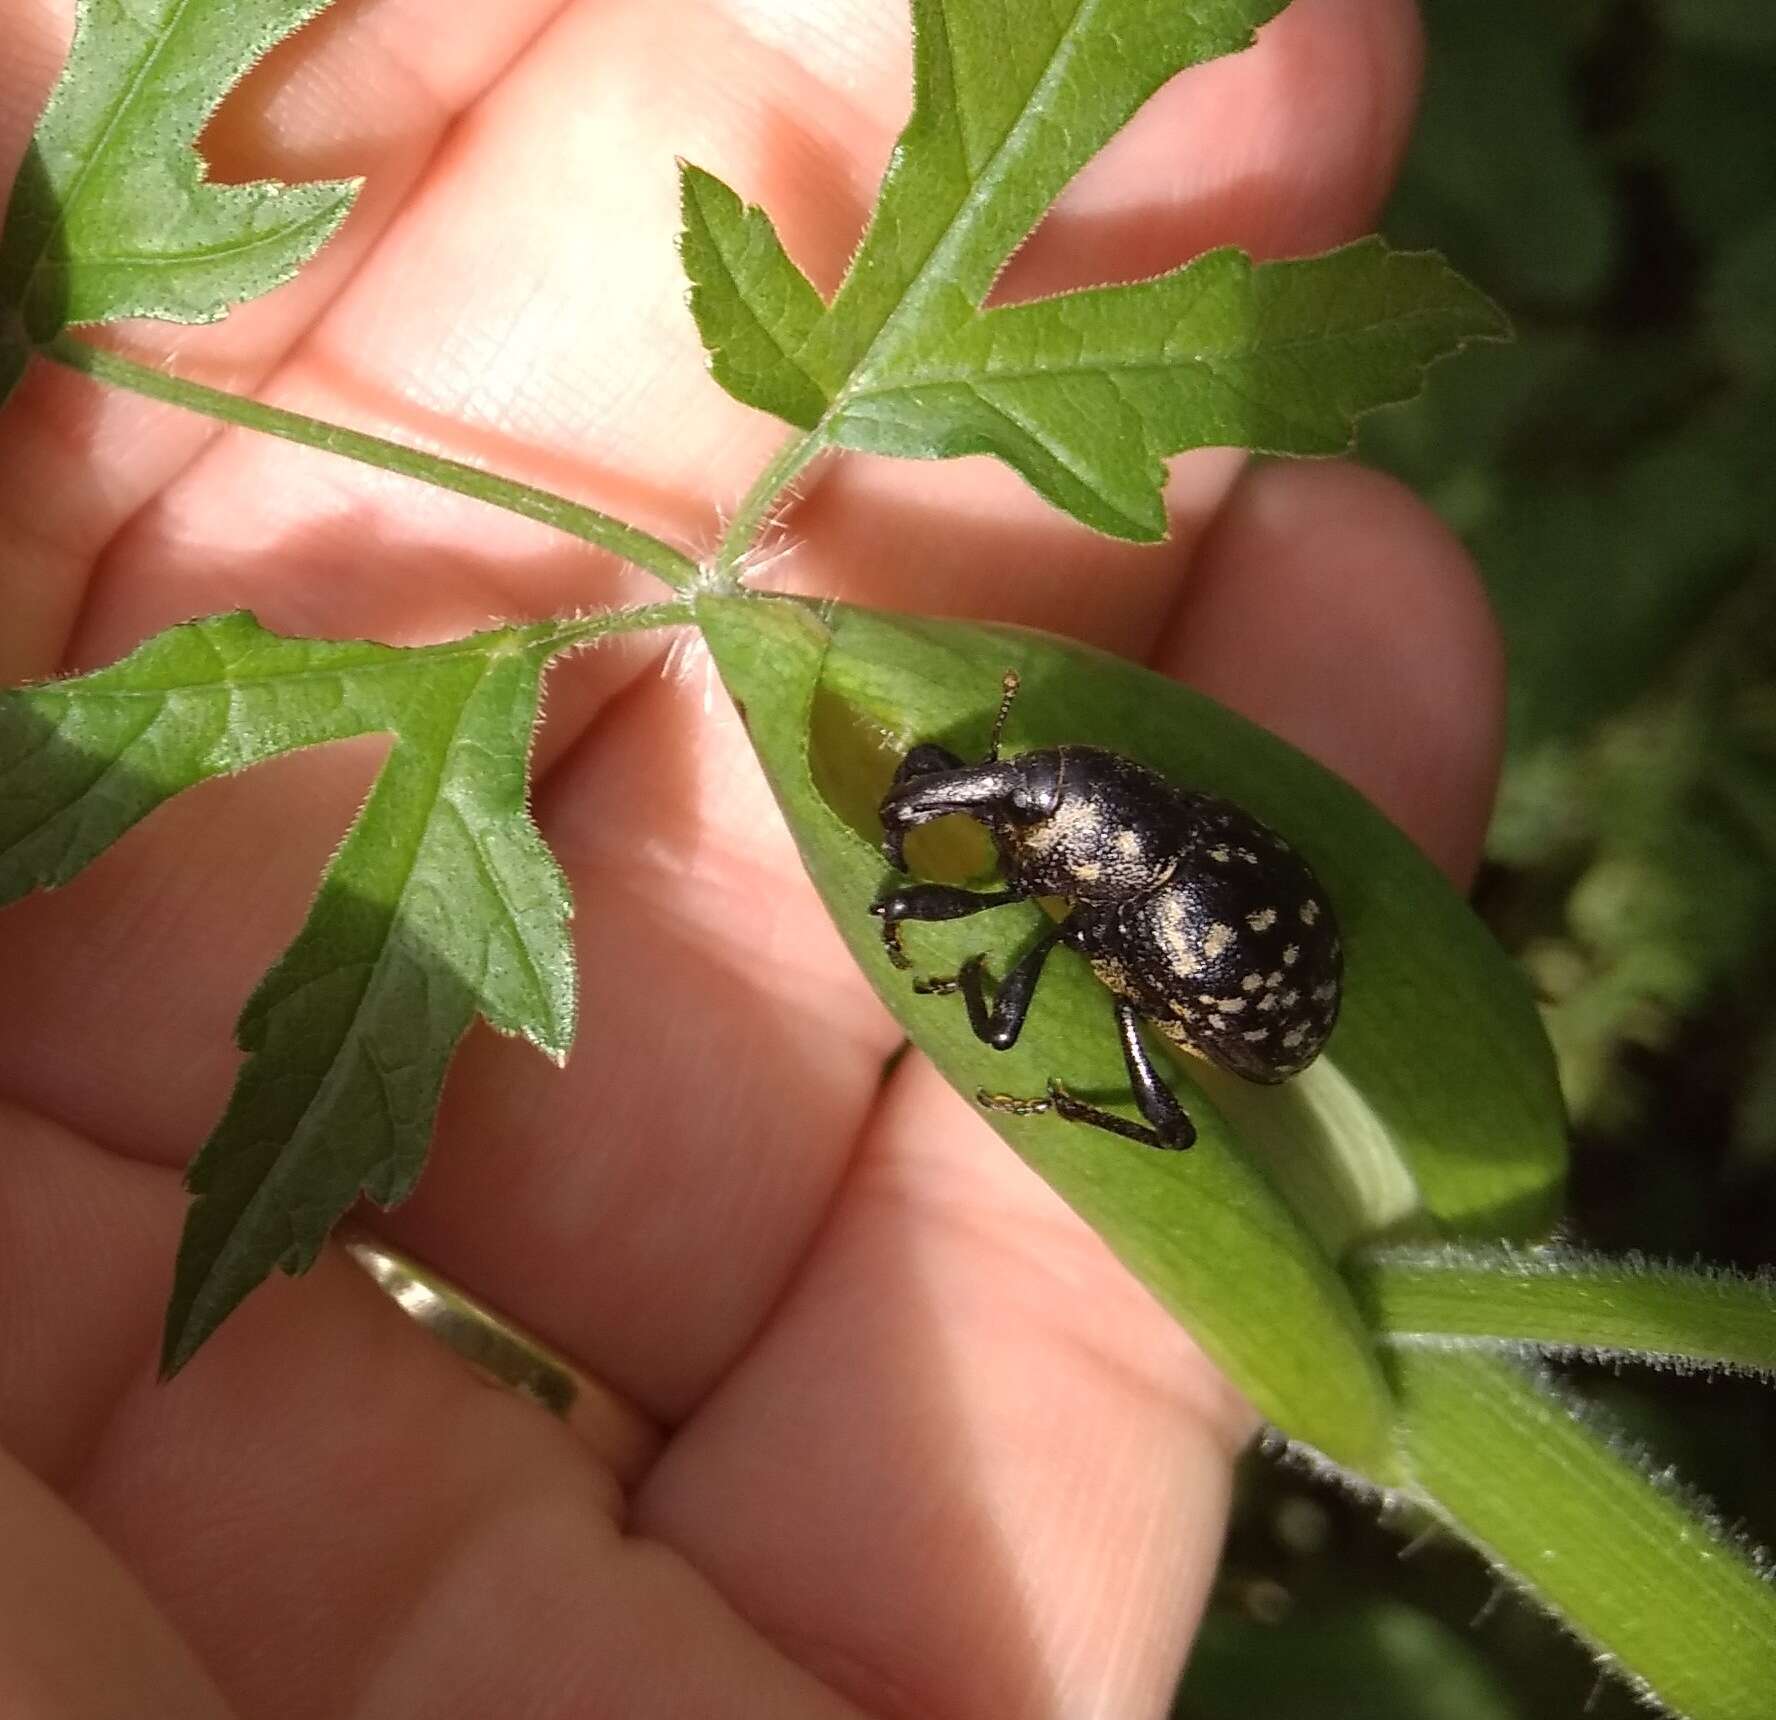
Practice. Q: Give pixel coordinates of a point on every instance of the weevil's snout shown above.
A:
(982, 791)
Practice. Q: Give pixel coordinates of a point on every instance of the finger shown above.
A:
(330, 1510)
(77, 1635)
(971, 1467)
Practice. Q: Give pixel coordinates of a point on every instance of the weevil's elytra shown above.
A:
(1197, 918)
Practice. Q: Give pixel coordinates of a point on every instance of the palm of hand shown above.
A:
(926, 1450)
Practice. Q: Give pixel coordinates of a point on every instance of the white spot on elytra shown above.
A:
(1291, 955)
(1252, 982)
(1294, 1037)
(1253, 1035)
(1310, 911)
(1217, 941)
(1262, 921)
(1169, 927)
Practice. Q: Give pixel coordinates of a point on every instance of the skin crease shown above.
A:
(926, 1450)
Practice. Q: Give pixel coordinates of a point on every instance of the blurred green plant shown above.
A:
(1612, 476)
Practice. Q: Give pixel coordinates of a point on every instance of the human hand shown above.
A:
(923, 1447)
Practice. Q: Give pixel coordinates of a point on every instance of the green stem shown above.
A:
(1567, 1302)
(1561, 1508)
(659, 558)
(569, 635)
(755, 507)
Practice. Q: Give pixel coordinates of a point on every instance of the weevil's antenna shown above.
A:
(1007, 692)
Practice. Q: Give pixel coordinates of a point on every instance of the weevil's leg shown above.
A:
(932, 902)
(1156, 1101)
(1062, 1103)
(1000, 1025)
(1171, 1127)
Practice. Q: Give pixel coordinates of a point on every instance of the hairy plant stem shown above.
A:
(569, 635)
(1564, 1301)
(755, 506)
(659, 558)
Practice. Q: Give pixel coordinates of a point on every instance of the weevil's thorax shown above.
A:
(1113, 831)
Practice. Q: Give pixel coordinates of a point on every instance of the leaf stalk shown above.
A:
(659, 558)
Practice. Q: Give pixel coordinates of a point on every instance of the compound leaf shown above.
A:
(1085, 394)
(442, 904)
(112, 215)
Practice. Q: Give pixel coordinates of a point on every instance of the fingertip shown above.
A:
(1332, 605)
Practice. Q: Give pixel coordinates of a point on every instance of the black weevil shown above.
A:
(1194, 915)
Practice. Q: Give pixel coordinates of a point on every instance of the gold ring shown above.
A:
(506, 1355)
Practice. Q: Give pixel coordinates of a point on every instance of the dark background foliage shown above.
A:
(1608, 171)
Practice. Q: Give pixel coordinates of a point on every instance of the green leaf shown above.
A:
(1434, 1107)
(1564, 1302)
(754, 308)
(1084, 395)
(1566, 1511)
(442, 904)
(112, 215)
